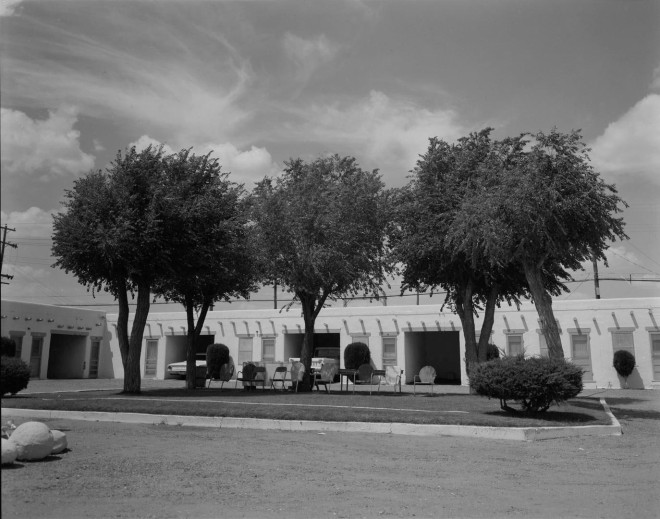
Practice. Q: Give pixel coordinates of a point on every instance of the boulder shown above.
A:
(33, 441)
(59, 441)
(9, 452)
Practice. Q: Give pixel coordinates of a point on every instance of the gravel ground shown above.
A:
(122, 470)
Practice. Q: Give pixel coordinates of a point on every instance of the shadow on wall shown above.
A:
(634, 381)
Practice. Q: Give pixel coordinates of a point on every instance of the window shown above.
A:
(623, 341)
(514, 344)
(364, 339)
(543, 346)
(35, 356)
(151, 358)
(389, 351)
(581, 355)
(18, 340)
(655, 351)
(244, 350)
(268, 349)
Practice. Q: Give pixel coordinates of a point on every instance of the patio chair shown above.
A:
(325, 376)
(366, 374)
(251, 376)
(279, 377)
(426, 377)
(226, 372)
(394, 375)
(297, 374)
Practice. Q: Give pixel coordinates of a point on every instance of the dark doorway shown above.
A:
(438, 349)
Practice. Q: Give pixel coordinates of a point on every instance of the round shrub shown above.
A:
(14, 375)
(535, 382)
(216, 356)
(356, 354)
(624, 363)
(492, 352)
(8, 347)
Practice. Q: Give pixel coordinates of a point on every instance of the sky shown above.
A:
(258, 82)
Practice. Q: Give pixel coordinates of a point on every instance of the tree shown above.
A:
(206, 218)
(446, 177)
(320, 230)
(548, 213)
(111, 236)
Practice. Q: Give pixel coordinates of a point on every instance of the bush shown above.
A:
(356, 354)
(624, 363)
(216, 356)
(14, 375)
(535, 383)
(8, 347)
(492, 352)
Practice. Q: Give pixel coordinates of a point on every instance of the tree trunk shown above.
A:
(191, 357)
(194, 330)
(122, 323)
(487, 325)
(311, 309)
(543, 303)
(132, 378)
(309, 318)
(465, 309)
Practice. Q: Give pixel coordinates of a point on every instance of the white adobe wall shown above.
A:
(595, 318)
(29, 321)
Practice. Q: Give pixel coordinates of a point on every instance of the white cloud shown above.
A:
(390, 133)
(32, 223)
(309, 55)
(630, 146)
(145, 141)
(8, 7)
(248, 165)
(245, 166)
(187, 81)
(48, 148)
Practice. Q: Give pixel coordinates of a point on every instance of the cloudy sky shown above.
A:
(261, 81)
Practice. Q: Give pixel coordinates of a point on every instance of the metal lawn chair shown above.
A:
(426, 377)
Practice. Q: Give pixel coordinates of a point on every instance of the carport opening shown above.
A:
(438, 349)
(325, 345)
(177, 345)
(66, 358)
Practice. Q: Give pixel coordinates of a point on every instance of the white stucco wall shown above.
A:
(30, 321)
(595, 318)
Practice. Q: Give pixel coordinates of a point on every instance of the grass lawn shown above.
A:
(336, 406)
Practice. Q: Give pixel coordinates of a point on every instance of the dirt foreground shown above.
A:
(121, 470)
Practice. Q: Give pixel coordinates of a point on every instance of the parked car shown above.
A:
(178, 369)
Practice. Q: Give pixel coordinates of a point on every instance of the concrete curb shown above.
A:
(471, 431)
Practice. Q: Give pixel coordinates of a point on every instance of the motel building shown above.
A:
(69, 343)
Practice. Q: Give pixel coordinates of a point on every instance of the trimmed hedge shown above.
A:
(492, 352)
(14, 375)
(356, 354)
(8, 347)
(535, 382)
(624, 363)
(216, 356)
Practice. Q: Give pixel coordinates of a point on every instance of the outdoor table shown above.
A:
(346, 373)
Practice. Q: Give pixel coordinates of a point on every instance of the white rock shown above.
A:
(33, 441)
(59, 441)
(9, 452)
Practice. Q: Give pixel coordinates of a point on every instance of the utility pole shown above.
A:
(596, 283)
(2, 251)
(275, 295)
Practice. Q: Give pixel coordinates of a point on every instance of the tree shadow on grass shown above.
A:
(640, 414)
(550, 417)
